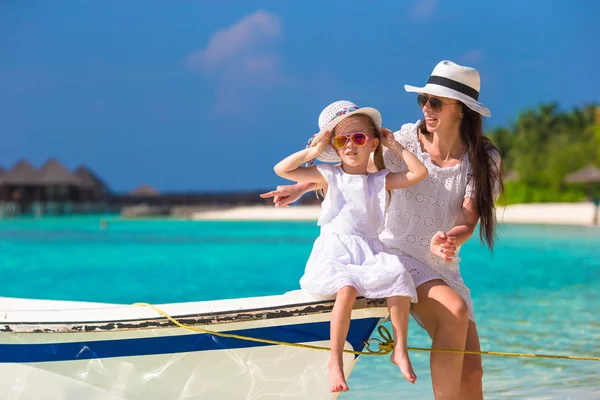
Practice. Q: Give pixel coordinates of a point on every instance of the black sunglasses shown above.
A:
(435, 103)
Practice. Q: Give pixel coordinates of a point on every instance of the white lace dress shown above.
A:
(416, 213)
(348, 251)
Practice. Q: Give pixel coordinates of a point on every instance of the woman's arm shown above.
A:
(444, 244)
(285, 195)
(466, 222)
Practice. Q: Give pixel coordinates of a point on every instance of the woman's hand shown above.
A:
(443, 246)
(283, 196)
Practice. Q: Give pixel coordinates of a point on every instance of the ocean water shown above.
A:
(537, 293)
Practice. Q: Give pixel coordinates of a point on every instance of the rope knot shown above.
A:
(385, 346)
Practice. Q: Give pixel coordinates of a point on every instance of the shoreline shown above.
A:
(533, 213)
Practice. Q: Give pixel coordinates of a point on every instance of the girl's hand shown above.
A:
(387, 138)
(443, 246)
(320, 143)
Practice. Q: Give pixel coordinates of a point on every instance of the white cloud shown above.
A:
(254, 68)
(423, 9)
(240, 58)
(245, 36)
(471, 57)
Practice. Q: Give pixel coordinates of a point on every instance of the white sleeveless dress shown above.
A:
(348, 251)
(416, 213)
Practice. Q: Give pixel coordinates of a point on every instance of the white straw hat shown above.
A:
(456, 82)
(335, 113)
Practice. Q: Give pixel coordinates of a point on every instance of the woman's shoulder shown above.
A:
(407, 133)
(410, 126)
(494, 154)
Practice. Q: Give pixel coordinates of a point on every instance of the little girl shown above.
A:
(348, 259)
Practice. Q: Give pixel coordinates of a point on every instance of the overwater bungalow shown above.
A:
(50, 190)
(144, 191)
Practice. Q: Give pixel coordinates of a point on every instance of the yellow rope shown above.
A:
(385, 346)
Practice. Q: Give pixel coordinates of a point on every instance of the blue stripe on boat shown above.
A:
(360, 330)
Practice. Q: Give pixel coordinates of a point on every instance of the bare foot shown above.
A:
(402, 360)
(335, 373)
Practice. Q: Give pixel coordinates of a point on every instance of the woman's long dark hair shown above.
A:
(484, 171)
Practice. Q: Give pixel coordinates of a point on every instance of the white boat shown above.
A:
(74, 350)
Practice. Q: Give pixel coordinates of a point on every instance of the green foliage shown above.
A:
(518, 192)
(542, 147)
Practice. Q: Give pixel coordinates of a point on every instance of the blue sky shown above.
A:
(209, 95)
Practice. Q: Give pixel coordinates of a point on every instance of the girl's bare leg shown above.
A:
(399, 308)
(340, 323)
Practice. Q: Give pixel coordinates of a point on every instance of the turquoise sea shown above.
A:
(537, 293)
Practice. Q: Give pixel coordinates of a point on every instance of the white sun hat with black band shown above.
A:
(455, 82)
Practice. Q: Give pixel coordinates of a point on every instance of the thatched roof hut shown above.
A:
(589, 174)
(89, 180)
(54, 173)
(22, 173)
(144, 191)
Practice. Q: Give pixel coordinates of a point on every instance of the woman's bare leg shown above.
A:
(340, 323)
(471, 387)
(445, 317)
(399, 308)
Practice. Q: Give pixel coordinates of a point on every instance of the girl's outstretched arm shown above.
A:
(416, 170)
(291, 166)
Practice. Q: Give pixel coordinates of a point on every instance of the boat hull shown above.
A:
(125, 361)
